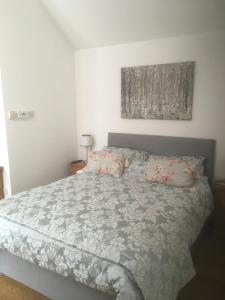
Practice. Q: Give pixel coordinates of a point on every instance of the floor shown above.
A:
(12, 290)
(209, 260)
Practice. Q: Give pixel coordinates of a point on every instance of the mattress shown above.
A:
(123, 236)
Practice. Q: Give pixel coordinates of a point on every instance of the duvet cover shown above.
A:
(123, 236)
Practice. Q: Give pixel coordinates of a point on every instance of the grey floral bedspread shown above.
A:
(120, 235)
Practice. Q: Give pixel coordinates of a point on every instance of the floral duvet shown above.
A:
(123, 236)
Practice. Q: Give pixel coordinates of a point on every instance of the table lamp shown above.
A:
(87, 142)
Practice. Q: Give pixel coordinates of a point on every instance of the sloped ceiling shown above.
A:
(98, 23)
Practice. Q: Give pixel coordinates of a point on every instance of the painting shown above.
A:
(161, 92)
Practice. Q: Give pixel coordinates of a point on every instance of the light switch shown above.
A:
(12, 115)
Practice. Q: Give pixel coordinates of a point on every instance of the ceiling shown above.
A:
(98, 23)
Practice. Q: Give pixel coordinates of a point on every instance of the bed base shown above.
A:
(45, 282)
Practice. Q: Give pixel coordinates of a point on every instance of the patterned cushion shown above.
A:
(130, 154)
(197, 162)
(175, 171)
(105, 162)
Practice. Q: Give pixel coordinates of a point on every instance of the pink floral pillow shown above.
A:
(105, 162)
(175, 172)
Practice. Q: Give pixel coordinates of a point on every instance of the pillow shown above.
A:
(197, 162)
(105, 162)
(175, 171)
(129, 154)
(137, 170)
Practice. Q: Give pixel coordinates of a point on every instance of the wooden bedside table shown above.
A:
(76, 166)
(219, 202)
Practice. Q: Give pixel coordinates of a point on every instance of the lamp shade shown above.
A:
(86, 140)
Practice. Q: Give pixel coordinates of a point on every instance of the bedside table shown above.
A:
(76, 166)
(219, 202)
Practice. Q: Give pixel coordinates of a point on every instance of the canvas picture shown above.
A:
(162, 91)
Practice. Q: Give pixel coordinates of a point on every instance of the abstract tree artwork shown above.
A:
(161, 92)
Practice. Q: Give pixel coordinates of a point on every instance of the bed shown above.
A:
(99, 237)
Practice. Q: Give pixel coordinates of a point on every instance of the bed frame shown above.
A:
(57, 287)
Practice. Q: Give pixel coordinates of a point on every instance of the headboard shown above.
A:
(167, 145)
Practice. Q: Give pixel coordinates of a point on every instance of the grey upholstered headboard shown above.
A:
(166, 145)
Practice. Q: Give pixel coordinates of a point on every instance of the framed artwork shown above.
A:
(161, 92)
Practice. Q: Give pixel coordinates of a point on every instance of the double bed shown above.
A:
(100, 237)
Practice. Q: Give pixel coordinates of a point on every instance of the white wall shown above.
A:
(37, 66)
(97, 82)
(4, 160)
